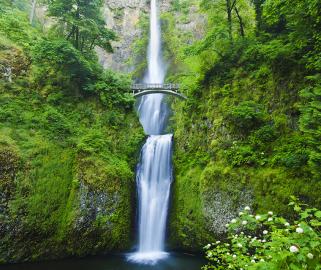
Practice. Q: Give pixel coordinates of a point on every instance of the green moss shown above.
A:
(237, 137)
(67, 159)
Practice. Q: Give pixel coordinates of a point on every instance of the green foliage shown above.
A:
(14, 25)
(82, 23)
(246, 116)
(252, 116)
(114, 90)
(269, 242)
(60, 64)
(69, 142)
(310, 122)
(241, 155)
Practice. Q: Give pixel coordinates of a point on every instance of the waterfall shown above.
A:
(152, 110)
(154, 172)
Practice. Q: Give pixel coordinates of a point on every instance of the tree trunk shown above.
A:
(77, 28)
(229, 17)
(77, 38)
(33, 10)
(258, 13)
(240, 22)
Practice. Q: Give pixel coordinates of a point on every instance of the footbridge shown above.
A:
(152, 88)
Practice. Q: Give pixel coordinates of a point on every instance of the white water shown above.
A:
(152, 110)
(154, 172)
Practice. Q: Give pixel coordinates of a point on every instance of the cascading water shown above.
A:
(154, 172)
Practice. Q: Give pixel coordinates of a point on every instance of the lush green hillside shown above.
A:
(69, 142)
(246, 140)
(249, 133)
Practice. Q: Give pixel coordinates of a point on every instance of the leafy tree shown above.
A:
(81, 22)
(235, 15)
(61, 65)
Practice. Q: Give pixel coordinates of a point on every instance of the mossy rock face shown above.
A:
(12, 58)
(10, 162)
(205, 200)
(101, 208)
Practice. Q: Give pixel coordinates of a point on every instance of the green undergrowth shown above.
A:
(69, 144)
(247, 133)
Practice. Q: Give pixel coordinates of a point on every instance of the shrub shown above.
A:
(245, 117)
(269, 242)
(239, 155)
(60, 64)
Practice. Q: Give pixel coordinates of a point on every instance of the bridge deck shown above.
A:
(167, 88)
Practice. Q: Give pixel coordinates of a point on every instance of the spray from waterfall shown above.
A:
(154, 172)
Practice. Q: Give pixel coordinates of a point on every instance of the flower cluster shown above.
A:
(266, 241)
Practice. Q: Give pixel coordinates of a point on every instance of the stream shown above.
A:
(113, 262)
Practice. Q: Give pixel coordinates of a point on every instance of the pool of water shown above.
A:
(114, 262)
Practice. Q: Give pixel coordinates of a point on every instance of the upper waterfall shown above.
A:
(152, 110)
(156, 68)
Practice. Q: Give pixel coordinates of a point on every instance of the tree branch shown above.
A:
(240, 22)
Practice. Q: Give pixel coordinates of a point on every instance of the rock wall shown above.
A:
(123, 17)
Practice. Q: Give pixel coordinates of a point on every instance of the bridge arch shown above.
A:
(167, 89)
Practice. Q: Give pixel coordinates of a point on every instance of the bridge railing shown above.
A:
(153, 86)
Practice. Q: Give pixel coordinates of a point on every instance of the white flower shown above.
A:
(270, 219)
(270, 213)
(239, 245)
(207, 246)
(233, 220)
(234, 256)
(228, 253)
(263, 241)
(241, 214)
(257, 217)
(287, 224)
(226, 225)
(244, 222)
(265, 232)
(247, 208)
(294, 249)
(299, 230)
(262, 260)
(310, 256)
(253, 261)
(217, 242)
